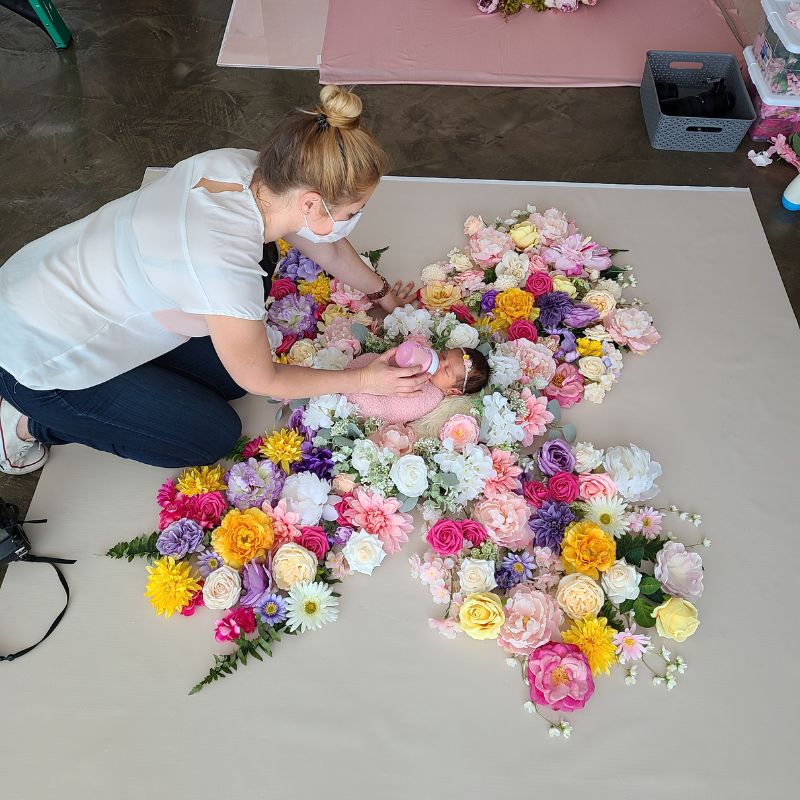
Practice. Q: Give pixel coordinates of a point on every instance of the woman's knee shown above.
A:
(214, 439)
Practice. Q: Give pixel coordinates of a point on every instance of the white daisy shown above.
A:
(610, 513)
(310, 605)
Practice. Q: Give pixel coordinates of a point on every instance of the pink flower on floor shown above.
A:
(631, 646)
(633, 328)
(596, 484)
(446, 537)
(784, 150)
(251, 449)
(462, 429)
(472, 225)
(539, 283)
(564, 486)
(398, 438)
(506, 478)
(646, 521)
(532, 619)
(469, 281)
(282, 287)
(505, 518)
(167, 492)
(473, 532)
(208, 509)
(560, 677)
(553, 226)
(379, 516)
(447, 627)
(338, 333)
(536, 418)
(488, 246)
(522, 329)
(566, 386)
(347, 296)
(235, 622)
(285, 523)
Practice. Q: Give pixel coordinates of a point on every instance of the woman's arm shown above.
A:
(244, 350)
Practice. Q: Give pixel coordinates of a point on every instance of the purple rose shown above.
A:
(556, 456)
(252, 482)
(552, 308)
(256, 584)
(293, 314)
(488, 301)
(580, 316)
(181, 537)
(340, 536)
(298, 267)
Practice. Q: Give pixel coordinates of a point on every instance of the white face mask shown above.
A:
(341, 228)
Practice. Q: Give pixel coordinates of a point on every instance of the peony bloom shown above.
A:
(285, 523)
(588, 549)
(252, 482)
(293, 564)
(513, 304)
(679, 571)
(553, 225)
(439, 295)
(535, 360)
(506, 477)
(566, 386)
(306, 494)
(574, 255)
(462, 429)
(293, 315)
(633, 472)
(505, 518)
(488, 246)
(560, 677)
(379, 516)
(398, 438)
(474, 224)
(348, 297)
(243, 536)
(532, 619)
(578, 596)
(633, 328)
(536, 418)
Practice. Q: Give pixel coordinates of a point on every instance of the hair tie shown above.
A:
(467, 368)
(322, 122)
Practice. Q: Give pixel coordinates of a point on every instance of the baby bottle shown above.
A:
(413, 354)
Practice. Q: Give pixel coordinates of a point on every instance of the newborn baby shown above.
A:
(461, 371)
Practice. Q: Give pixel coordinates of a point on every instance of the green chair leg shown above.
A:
(51, 21)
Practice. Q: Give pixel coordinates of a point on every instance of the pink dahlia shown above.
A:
(536, 418)
(532, 619)
(566, 386)
(505, 518)
(560, 677)
(506, 477)
(380, 516)
(632, 328)
(285, 523)
(488, 246)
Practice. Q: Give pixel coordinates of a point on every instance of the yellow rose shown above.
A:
(302, 353)
(513, 304)
(588, 549)
(481, 616)
(562, 284)
(293, 564)
(333, 311)
(524, 235)
(676, 619)
(578, 596)
(439, 296)
(243, 536)
(589, 347)
(600, 299)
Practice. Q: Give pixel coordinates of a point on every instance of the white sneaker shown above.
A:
(17, 457)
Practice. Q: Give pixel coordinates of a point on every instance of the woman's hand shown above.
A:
(399, 296)
(382, 377)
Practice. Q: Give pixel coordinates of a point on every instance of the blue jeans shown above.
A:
(170, 412)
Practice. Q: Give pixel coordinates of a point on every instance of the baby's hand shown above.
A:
(399, 296)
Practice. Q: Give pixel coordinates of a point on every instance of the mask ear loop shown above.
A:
(467, 368)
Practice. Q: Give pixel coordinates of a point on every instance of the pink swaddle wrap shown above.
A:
(394, 408)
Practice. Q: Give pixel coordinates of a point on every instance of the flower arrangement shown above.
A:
(509, 7)
(574, 583)
(547, 297)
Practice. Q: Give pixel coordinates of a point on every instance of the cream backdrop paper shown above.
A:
(377, 705)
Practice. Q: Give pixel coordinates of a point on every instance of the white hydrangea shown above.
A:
(463, 335)
(499, 423)
(433, 272)
(321, 412)
(504, 370)
(408, 321)
(473, 466)
(332, 358)
(610, 286)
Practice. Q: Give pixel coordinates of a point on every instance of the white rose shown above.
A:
(410, 475)
(587, 457)
(461, 262)
(603, 301)
(621, 581)
(594, 392)
(222, 588)
(301, 353)
(332, 358)
(463, 335)
(591, 367)
(274, 336)
(610, 286)
(364, 552)
(579, 596)
(433, 272)
(598, 333)
(513, 268)
(306, 494)
(633, 472)
(293, 564)
(365, 453)
(476, 575)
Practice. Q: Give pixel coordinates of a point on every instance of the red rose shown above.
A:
(536, 493)
(473, 531)
(463, 314)
(445, 537)
(313, 538)
(286, 345)
(564, 486)
(539, 283)
(522, 329)
(244, 618)
(282, 287)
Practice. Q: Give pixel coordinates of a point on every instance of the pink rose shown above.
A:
(522, 329)
(532, 619)
(208, 509)
(343, 484)
(446, 537)
(535, 492)
(341, 507)
(564, 486)
(560, 677)
(281, 287)
(536, 264)
(398, 438)
(505, 518)
(596, 484)
(680, 571)
(313, 538)
(566, 386)
(632, 328)
(462, 429)
(473, 532)
(539, 283)
(473, 225)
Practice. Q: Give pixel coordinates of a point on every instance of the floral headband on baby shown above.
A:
(467, 368)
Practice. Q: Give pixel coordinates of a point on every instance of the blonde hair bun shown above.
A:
(342, 108)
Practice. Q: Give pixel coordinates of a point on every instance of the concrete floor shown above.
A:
(139, 86)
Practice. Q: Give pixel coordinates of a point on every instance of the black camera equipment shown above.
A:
(717, 101)
(15, 546)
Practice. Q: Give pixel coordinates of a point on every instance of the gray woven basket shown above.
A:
(697, 134)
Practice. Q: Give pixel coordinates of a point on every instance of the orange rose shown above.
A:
(588, 549)
(243, 536)
(513, 304)
(439, 295)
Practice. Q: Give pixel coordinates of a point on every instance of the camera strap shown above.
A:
(54, 562)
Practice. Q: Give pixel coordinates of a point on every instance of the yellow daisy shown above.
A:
(594, 639)
(283, 448)
(199, 480)
(171, 585)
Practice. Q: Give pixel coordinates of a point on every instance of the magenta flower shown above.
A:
(566, 386)
(560, 677)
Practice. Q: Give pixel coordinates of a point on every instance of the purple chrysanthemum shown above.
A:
(252, 482)
(181, 537)
(298, 267)
(506, 579)
(207, 562)
(488, 301)
(520, 564)
(293, 314)
(553, 306)
(549, 523)
(272, 609)
(318, 460)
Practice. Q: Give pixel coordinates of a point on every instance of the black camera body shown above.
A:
(14, 542)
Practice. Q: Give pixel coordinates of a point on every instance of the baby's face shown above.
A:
(450, 375)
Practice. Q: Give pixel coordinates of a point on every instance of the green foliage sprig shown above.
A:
(141, 547)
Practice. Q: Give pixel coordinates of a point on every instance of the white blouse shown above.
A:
(133, 280)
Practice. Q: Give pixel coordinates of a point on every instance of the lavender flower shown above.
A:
(488, 301)
(550, 522)
(553, 306)
(506, 579)
(298, 267)
(567, 350)
(256, 585)
(295, 423)
(341, 536)
(317, 460)
(581, 315)
(207, 562)
(252, 482)
(520, 564)
(272, 609)
(293, 314)
(181, 537)
(556, 456)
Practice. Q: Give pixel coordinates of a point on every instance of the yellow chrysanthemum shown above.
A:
(171, 585)
(283, 448)
(513, 304)
(319, 288)
(587, 548)
(199, 480)
(594, 639)
(243, 536)
(283, 247)
(281, 359)
(589, 347)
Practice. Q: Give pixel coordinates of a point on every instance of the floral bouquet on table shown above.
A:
(547, 293)
(509, 7)
(571, 580)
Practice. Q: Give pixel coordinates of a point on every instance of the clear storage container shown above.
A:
(777, 48)
(775, 113)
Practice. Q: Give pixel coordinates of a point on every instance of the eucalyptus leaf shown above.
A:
(408, 504)
(342, 441)
(484, 348)
(554, 407)
(354, 431)
(449, 479)
(359, 331)
(553, 434)
(569, 433)
(299, 403)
